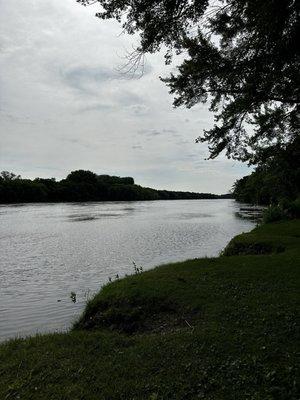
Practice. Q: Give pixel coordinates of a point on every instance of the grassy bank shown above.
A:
(222, 328)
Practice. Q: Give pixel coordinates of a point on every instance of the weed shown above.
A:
(73, 297)
(137, 270)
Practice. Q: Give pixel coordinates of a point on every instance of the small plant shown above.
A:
(73, 297)
(137, 270)
(115, 278)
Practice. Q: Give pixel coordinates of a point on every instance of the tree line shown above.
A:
(84, 185)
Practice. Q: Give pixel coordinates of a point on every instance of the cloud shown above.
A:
(84, 78)
(115, 101)
(169, 130)
(95, 107)
(156, 132)
(150, 132)
(128, 98)
(182, 142)
(139, 110)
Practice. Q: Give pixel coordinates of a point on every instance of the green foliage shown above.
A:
(241, 56)
(223, 328)
(81, 176)
(276, 179)
(292, 208)
(115, 180)
(284, 210)
(274, 213)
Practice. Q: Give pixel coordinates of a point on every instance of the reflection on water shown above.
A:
(51, 250)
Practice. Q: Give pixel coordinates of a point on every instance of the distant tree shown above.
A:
(115, 180)
(81, 176)
(9, 176)
(243, 56)
(50, 187)
(51, 183)
(127, 180)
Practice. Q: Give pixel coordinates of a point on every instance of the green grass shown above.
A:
(221, 328)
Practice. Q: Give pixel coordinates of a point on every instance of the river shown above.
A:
(51, 250)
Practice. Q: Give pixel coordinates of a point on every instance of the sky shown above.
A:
(65, 105)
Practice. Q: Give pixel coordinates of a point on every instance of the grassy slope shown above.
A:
(222, 328)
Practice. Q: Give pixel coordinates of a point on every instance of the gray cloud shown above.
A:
(139, 109)
(97, 74)
(182, 142)
(95, 107)
(129, 98)
(157, 132)
(84, 77)
(121, 100)
(169, 130)
(150, 132)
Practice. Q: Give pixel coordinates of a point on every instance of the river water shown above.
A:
(51, 250)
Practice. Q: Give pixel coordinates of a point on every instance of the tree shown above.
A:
(82, 176)
(8, 176)
(276, 177)
(242, 56)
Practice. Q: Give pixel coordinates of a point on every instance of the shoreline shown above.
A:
(117, 201)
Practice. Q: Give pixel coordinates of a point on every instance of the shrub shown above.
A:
(274, 213)
(294, 208)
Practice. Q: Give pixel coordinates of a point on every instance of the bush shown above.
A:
(293, 208)
(274, 213)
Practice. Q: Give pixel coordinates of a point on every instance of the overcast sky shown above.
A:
(65, 106)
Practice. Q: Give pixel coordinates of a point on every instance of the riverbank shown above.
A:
(220, 328)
